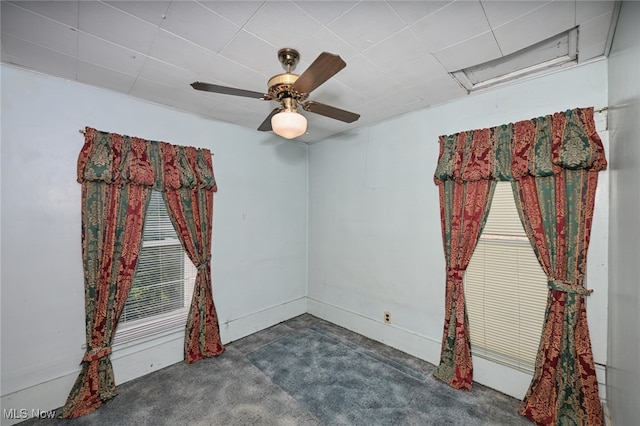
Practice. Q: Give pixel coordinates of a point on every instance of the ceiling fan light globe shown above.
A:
(289, 124)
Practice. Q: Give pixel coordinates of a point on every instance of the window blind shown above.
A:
(162, 288)
(505, 288)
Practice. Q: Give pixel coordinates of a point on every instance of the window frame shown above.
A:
(139, 330)
(504, 231)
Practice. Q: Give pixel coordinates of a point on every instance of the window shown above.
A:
(506, 289)
(162, 288)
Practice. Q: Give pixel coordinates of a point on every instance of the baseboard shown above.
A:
(44, 396)
(407, 341)
(504, 379)
(133, 361)
(243, 326)
(606, 414)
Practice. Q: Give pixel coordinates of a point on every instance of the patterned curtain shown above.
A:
(464, 207)
(557, 210)
(553, 162)
(117, 174)
(191, 211)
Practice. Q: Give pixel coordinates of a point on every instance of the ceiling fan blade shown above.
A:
(331, 112)
(322, 69)
(207, 87)
(266, 124)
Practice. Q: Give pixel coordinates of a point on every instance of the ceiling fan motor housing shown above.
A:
(280, 87)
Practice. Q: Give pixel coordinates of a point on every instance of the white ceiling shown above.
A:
(399, 53)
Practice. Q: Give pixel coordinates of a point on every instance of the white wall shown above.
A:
(259, 229)
(374, 223)
(623, 371)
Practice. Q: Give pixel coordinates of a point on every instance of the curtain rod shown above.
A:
(83, 132)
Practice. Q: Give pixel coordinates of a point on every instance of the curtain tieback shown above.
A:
(204, 264)
(94, 354)
(455, 274)
(569, 287)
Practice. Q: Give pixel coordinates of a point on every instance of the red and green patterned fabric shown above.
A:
(464, 207)
(553, 164)
(117, 174)
(191, 212)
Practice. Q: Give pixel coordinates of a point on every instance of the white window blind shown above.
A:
(162, 288)
(505, 288)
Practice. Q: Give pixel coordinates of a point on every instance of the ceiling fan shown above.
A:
(292, 90)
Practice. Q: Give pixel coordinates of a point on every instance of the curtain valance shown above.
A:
(116, 159)
(537, 147)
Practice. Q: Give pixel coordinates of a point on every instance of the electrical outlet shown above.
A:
(387, 317)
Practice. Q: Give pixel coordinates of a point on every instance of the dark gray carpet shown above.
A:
(343, 383)
(304, 371)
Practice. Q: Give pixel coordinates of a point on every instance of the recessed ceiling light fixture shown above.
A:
(555, 52)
